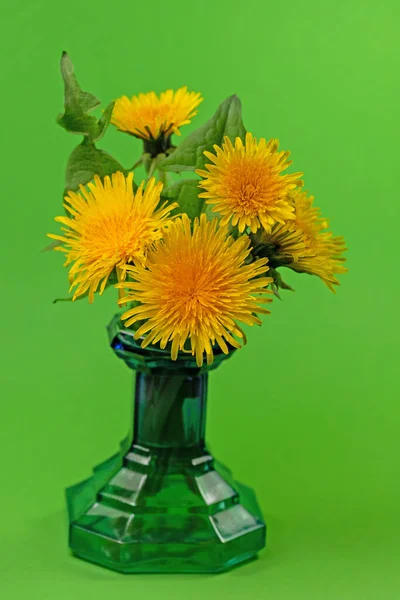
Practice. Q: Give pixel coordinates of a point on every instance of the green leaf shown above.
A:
(85, 162)
(227, 121)
(74, 97)
(77, 103)
(186, 193)
(79, 124)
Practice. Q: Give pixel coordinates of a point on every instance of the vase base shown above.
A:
(174, 568)
(192, 519)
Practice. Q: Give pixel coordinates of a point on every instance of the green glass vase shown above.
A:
(163, 504)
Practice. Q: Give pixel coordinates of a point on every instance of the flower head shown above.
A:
(194, 288)
(150, 117)
(109, 226)
(304, 244)
(245, 183)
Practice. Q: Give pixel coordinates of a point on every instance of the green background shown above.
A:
(308, 412)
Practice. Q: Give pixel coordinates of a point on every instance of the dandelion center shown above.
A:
(250, 185)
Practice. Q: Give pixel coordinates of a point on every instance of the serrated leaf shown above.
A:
(74, 96)
(85, 162)
(186, 193)
(227, 121)
(77, 103)
(79, 124)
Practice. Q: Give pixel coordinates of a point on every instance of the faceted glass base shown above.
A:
(150, 510)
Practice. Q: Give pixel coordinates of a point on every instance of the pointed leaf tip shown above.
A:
(77, 105)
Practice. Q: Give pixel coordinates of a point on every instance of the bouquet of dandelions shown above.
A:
(191, 258)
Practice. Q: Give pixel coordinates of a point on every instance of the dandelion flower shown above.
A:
(304, 244)
(194, 289)
(150, 117)
(245, 184)
(109, 226)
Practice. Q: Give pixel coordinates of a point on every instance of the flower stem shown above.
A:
(163, 177)
(153, 166)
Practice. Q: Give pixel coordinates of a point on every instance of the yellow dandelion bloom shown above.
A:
(305, 245)
(109, 226)
(245, 183)
(150, 117)
(194, 289)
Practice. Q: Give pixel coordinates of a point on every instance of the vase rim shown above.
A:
(122, 340)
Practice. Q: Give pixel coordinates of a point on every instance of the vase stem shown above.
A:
(170, 410)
